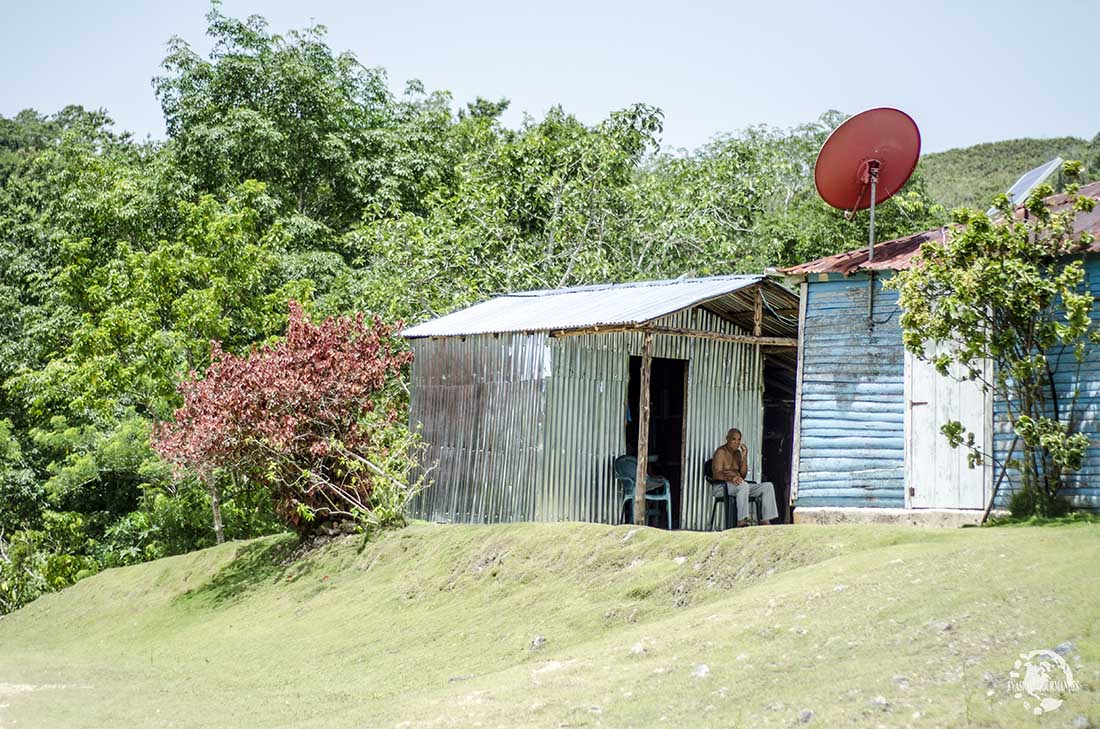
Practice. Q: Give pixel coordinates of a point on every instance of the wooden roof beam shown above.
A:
(674, 332)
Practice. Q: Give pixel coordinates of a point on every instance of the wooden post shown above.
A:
(796, 448)
(757, 311)
(641, 476)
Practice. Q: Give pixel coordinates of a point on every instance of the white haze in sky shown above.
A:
(967, 72)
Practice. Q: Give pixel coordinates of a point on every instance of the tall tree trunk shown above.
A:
(216, 508)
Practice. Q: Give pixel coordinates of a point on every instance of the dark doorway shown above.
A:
(667, 389)
(777, 448)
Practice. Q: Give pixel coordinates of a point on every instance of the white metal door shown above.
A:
(936, 475)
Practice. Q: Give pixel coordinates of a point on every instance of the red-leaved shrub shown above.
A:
(300, 418)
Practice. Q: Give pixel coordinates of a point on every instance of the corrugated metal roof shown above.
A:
(897, 254)
(583, 307)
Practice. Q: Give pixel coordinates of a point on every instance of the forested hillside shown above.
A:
(295, 173)
(971, 176)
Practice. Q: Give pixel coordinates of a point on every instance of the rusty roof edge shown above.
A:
(833, 263)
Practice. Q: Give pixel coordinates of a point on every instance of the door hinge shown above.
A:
(912, 491)
(917, 402)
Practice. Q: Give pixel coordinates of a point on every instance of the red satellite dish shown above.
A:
(867, 159)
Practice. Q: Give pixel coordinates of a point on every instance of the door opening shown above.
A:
(777, 448)
(667, 396)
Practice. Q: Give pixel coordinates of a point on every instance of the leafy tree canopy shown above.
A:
(1012, 292)
(294, 172)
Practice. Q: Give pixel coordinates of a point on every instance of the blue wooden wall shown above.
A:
(852, 450)
(1082, 487)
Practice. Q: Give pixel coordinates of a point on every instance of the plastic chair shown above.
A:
(657, 487)
(729, 501)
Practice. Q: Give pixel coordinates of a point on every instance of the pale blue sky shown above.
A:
(968, 72)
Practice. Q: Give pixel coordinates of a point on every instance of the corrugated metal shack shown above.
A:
(525, 400)
(868, 414)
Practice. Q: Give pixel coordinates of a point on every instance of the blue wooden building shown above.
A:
(868, 414)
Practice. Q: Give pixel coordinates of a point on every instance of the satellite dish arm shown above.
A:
(872, 172)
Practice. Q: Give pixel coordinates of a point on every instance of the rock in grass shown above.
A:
(701, 671)
(1081, 722)
(940, 625)
(538, 642)
(637, 650)
(901, 681)
(806, 716)
(880, 702)
(1064, 649)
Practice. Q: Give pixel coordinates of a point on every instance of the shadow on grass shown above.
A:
(255, 563)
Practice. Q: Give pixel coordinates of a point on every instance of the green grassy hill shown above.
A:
(971, 176)
(568, 625)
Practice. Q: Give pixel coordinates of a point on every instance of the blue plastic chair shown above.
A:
(657, 487)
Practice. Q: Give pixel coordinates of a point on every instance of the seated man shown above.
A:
(731, 464)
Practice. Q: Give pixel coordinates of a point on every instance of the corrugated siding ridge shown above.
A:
(586, 428)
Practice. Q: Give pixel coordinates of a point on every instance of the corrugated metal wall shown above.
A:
(480, 402)
(527, 427)
(586, 406)
(853, 409)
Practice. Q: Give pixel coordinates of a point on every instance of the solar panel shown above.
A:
(1029, 181)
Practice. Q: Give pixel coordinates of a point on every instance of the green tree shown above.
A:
(542, 207)
(21, 491)
(321, 130)
(1013, 292)
(147, 311)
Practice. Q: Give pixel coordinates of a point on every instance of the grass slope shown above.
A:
(971, 176)
(433, 626)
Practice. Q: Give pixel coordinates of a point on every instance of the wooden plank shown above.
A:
(757, 310)
(796, 446)
(683, 450)
(909, 489)
(735, 338)
(673, 332)
(641, 475)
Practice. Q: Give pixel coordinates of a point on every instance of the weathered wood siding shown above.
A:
(853, 404)
(852, 416)
(1082, 488)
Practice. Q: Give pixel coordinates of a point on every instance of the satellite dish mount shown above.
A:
(869, 174)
